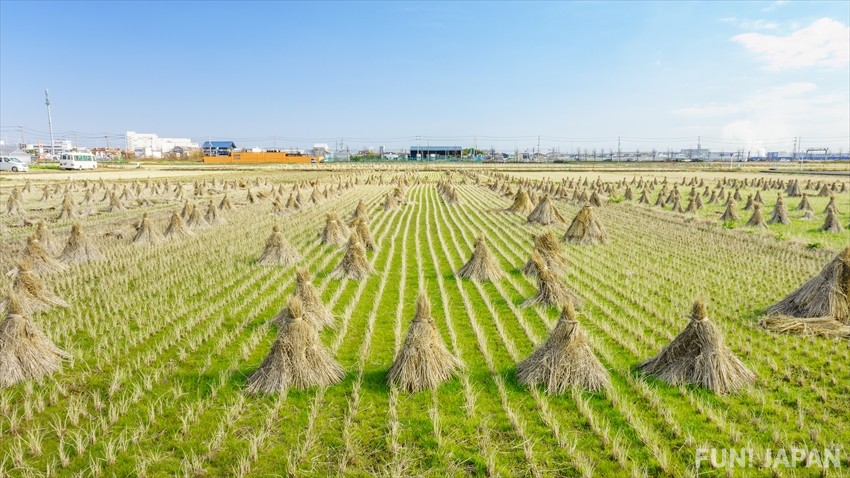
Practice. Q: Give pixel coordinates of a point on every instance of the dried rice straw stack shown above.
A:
(45, 237)
(522, 203)
(831, 223)
(314, 310)
(550, 251)
(756, 220)
(26, 353)
(826, 296)
(297, 358)
(551, 290)
(278, 251)
(41, 260)
(482, 266)
(699, 356)
(565, 361)
(586, 228)
(423, 362)
(79, 248)
(32, 293)
(146, 233)
(334, 232)
(545, 213)
(354, 264)
(176, 227)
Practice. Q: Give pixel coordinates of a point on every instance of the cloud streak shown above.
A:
(824, 43)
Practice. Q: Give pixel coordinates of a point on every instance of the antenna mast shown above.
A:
(50, 124)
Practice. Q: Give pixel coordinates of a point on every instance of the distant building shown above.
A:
(13, 151)
(151, 145)
(218, 148)
(434, 152)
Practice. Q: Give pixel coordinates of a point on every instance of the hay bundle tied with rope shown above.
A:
(820, 306)
(146, 233)
(361, 227)
(31, 291)
(26, 353)
(213, 217)
(699, 356)
(831, 223)
(354, 264)
(334, 232)
(278, 251)
(297, 359)
(551, 290)
(196, 220)
(545, 213)
(586, 228)
(550, 250)
(482, 266)
(756, 220)
(780, 212)
(176, 227)
(423, 362)
(42, 262)
(79, 248)
(522, 203)
(565, 361)
(45, 237)
(314, 310)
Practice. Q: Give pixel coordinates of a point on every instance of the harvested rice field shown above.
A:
(405, 321)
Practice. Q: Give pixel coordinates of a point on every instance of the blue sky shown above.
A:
(578, 74)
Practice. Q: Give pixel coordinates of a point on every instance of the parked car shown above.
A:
(77, 160)
(13, 164)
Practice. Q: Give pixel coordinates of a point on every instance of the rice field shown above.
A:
(165, 335)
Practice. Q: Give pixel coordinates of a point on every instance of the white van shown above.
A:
(77, 160)
(9, 163)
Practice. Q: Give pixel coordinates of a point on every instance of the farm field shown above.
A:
(163, 337)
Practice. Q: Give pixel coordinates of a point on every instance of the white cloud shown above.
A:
(758, 25)
(826, 42)
(773, 6)
(785, 111)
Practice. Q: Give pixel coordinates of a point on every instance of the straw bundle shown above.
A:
(804, 204)
(67, 212)
(297, 358)
(42, 262)
(586, 228)
(390, 203)
(780, 212)
(550, 251)
(831, 223)
(334, 232)
(196, 220)
(25, 352)
(698, 355)
(423, 362)
(360, 212)
(551, 290)
(225, 204)
(33, 294)
(45, 237)
(146, 233)
(14, 206)
(176, 227)
(361, 227)
(213, 217)
(354, 264)
(278, 251)
(756, 220)
(825, 295)
(314, 310)
(595, 200)
(482, 266)
(79, 248)
(545, 213)
(522, 203)
(831, 205)
(565, 360)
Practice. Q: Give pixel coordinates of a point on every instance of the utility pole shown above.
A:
(699, 147)
(106, 137)
(538, 145)
(619, 151)
(49, 123)
(21, 129)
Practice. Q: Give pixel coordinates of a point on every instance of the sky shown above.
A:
(567, 75)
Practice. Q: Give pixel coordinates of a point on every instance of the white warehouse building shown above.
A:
(150, 144)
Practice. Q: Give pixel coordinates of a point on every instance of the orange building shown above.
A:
(248, 157)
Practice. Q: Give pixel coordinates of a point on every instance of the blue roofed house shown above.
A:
(218, 148)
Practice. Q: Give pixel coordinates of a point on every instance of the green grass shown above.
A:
(164, 338)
